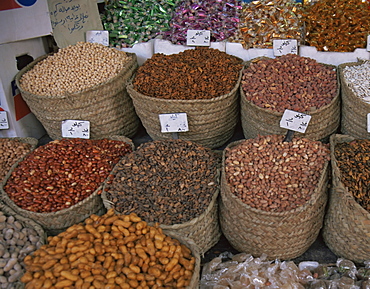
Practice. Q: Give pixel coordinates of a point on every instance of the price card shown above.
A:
(198, 38)
(368, 43)
(285, 46)
(98, 36)
(368, 122)
(76, 128)
(173, 122)
(295, 121)
(4, 124)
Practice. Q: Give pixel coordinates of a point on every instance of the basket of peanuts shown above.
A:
(114, 251)
(85, 81)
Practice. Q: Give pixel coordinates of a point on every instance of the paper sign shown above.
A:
(295, 121)
(285, 46)
(71, 19)
(198, 38)
(368, 43)
(98, 36)
(76, 128)
(368, 122)
(173, 122)
(4, 124)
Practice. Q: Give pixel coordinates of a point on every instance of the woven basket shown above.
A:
(282, 235)
(189, 243)
(211, 122)
(261, 121)
(26, 223)
(55, 222)
(354, 109)
(204, 230)
(347, 224)
(107, 106)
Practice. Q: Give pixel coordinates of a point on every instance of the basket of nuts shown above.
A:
(273, 195)
(59, 184)
(172, 182)
(355, 98)
(270, 86)
(114, 251)
(12, 150)
(19, 237)
(201, 82)
(347, 223)
(86, 81)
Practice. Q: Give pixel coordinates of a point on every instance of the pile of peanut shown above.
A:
(73, 69)
(62, 173)
(11, 150)
(271, 175)
(110, 251)
(17, 240)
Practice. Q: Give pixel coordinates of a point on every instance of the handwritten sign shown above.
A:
(173, 122)
(98, 36)
(71, 19)
(285, 46)
(4, 124)
(368, 122)
(76, 128)
(198, 38)
(295, 121)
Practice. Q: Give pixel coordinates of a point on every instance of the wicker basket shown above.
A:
(282, 235)
(261, 121)
(27, 223)
(347, 224)
(354, 109)
(107, 106)
(55, 222)
(211, 121)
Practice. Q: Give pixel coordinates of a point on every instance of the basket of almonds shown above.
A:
(86, 81)
(273, 195)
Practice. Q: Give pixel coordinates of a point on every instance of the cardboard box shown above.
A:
(22, 123)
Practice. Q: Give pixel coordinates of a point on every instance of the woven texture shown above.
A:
(282, 235)
(347, 224)
(354, 109)
(261, 121)
(56, 222)
(204, 230)
(211, 122)
(107, 106)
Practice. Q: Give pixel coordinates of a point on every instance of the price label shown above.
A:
(368, 43)
(295, 121)
(173, 122)
(4, 124)
(198, 38)
(76, 128)
(368, 122)
(98, 36)
(285, 46)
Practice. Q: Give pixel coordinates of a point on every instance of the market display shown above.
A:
(289, 82)
(170, 181)
(111, 251)
(271, 175)
(55, 176)
(18, 239)
(73, 69)
(263, 21)
(177, 76)
(357, 77)
(337, 25)
(353, 159)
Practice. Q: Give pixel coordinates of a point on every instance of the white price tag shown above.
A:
(198, 38)
(285, 46)
(368, 43)
(76, 128)
(4, 124)
(295, 121)
(368, 122)
(173, 122)
(98, 36)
